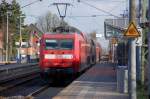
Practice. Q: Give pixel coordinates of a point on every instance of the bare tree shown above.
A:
(47, 22)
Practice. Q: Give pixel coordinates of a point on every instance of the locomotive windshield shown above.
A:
(66, 44)
(51, 44)
(59, 44)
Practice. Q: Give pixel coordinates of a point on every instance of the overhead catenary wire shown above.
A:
(72, 7)
(31, 3)
(87, 16)
(99, 9)
(116, 7)
(104, 0)
(74, 18)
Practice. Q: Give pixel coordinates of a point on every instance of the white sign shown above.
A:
(22, 43)
(98, 35)
(139, 39)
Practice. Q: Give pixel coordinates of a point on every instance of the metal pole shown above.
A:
(140, 12)
(133, 69)
(149, 53)
(132, 18)
(7, 41)
(20, 41)
(144, 49)
(113, 51)
(138, 49)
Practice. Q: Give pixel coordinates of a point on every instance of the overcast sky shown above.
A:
(85, 24)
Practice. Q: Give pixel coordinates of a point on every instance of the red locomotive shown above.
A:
(67, 51)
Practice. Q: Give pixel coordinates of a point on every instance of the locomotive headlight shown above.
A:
(67, 56)
(50, 56)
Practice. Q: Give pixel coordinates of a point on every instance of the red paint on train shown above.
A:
(67, 52)
(64, 51)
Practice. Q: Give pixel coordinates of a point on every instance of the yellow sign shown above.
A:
(132, 31)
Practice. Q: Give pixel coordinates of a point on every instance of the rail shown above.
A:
(17, 71)
(38, 91)
(16, 82)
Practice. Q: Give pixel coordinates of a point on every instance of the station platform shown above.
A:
(99, 82)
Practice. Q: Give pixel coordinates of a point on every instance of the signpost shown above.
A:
(114, 28)
(132, 31)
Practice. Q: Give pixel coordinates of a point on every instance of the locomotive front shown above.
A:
(57, 54)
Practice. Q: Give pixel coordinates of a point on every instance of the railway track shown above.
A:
(12, 83)
(30, 95)
(38, 91)
(30, 86)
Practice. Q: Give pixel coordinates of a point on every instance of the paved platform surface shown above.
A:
(99, 82)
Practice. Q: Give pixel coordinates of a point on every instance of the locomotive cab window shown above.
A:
(51, 44)
(66, 44)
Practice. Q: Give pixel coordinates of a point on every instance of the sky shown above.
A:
(85, 24)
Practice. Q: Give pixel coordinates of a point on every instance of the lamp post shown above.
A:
(8, 13)
(20, 37)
